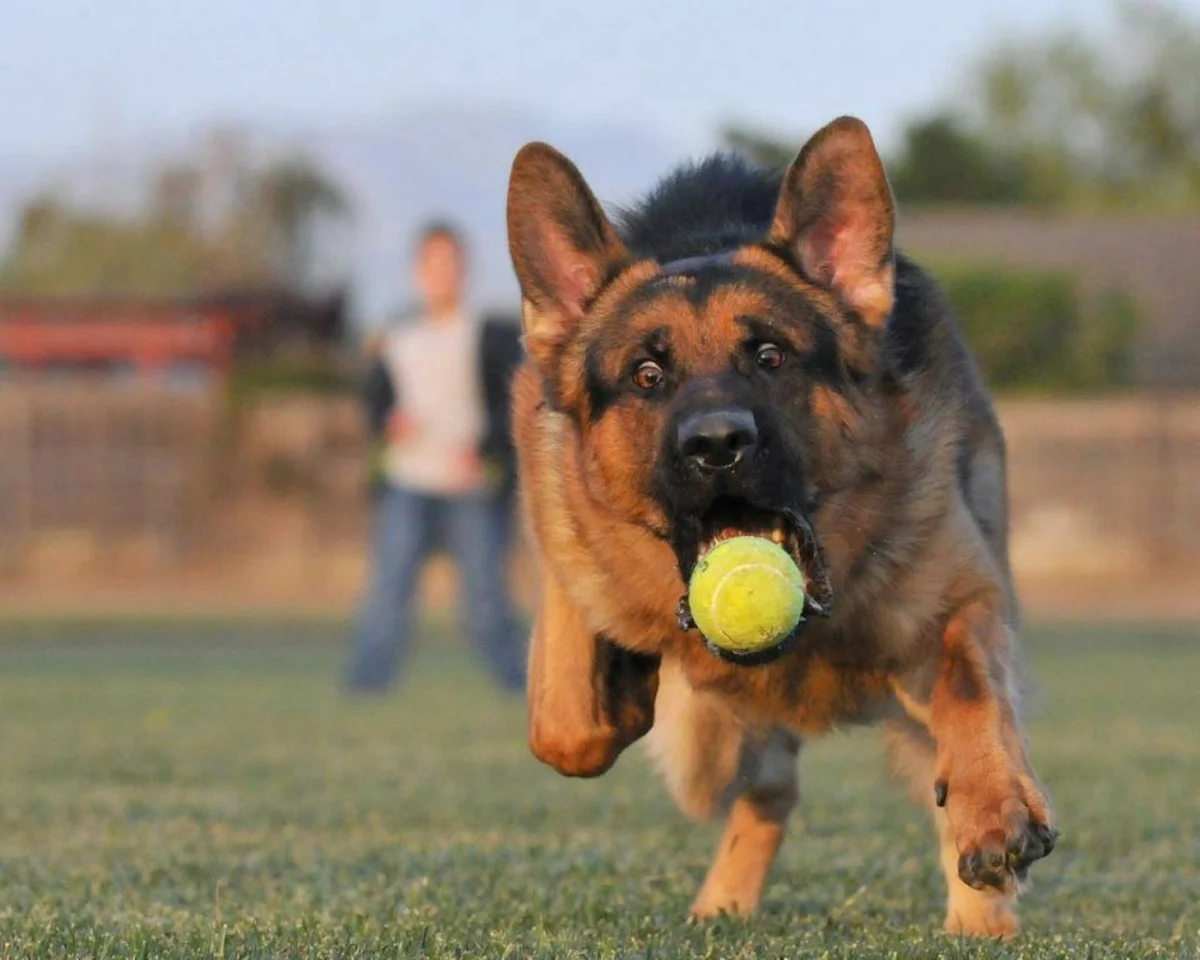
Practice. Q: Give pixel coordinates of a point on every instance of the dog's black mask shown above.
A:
(725, 470)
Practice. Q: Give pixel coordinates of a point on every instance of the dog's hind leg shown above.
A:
(714, 765)
(754, 827)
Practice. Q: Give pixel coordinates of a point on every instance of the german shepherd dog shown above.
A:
(746, 352)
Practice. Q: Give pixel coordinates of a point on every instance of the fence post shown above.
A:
(16, 479)
(1164, 520)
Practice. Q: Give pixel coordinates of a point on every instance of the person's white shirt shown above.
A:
(434, 368)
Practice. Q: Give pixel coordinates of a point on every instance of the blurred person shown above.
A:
(437, 399)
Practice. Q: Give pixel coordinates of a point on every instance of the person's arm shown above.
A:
(501, 354)
(379, 398)
(379, 403)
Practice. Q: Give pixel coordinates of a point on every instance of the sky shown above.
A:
(77, 74)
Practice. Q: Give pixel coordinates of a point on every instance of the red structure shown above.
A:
(206, 333)
(41, 335)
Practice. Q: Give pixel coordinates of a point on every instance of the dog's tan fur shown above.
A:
(927, 630)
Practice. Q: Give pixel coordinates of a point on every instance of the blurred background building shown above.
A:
(182, 308)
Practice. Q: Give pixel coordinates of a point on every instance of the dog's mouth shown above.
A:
(729, 517)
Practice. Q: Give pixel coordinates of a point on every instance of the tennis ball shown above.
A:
(746, 596)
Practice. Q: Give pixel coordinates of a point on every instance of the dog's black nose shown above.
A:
(717, 439)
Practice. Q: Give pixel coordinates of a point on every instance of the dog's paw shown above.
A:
(1002, 859)
(999, 832)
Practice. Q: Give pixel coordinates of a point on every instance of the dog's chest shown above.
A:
(805, 691)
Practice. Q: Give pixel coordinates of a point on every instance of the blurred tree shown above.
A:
(1111, 119)
(1066, 119)
(941, 162)
(760, 147)
(295, 204)
(175, 198)
(58, 251)
(170, 246)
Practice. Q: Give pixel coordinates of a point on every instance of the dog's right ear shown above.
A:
(562, 245)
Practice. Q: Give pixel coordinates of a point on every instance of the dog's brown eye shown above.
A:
(648, 375)
(769, 356)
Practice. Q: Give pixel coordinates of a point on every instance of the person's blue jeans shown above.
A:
(408, 526)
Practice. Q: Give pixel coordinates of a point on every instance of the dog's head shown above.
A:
(726, 387)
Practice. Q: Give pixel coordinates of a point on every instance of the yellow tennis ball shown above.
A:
(746, 595)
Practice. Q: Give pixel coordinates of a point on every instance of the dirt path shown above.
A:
(334, 593)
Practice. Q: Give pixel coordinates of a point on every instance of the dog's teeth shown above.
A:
(778, 536)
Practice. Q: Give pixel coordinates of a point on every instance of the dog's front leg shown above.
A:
(588, 698)
(993, 817)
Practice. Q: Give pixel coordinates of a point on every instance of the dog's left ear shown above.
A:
(836, 217)
(562, 245)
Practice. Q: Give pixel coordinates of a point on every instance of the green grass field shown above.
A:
(204, 790)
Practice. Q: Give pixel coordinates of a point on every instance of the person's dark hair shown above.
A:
(441, 230)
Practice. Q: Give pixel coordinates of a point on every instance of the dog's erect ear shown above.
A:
(835, 214)
(562, 245)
